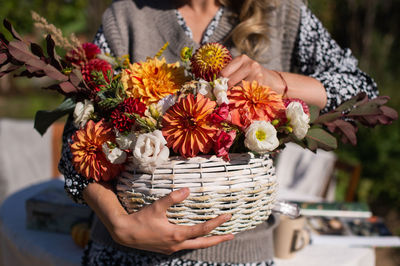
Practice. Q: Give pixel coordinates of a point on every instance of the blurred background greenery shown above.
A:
(369, 27)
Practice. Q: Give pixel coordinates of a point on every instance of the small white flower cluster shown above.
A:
(217, 91)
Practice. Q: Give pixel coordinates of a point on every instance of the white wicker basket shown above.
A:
(244, 187)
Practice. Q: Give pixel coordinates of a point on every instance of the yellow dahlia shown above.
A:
(187, 127)
(260, 102)
(209, 60)
(152, 80)
(88, 157)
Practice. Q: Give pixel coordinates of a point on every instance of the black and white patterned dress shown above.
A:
(315, 54)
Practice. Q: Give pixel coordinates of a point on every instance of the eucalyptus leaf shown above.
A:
(314, 113)
(323, 139)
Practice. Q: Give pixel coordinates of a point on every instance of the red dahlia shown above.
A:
(87, 52)
(122, 116)
(95, 65)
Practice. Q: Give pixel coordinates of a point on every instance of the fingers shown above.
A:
(172, 198)
(233, 66)
(243, 68)
(204, 242)
(206, 227)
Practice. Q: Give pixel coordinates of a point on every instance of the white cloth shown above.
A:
(318, 255)
(20, 246)
(25, 156)
(302, 174)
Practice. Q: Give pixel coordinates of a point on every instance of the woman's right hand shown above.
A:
(149, 228)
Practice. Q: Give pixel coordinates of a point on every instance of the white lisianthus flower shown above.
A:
(150, 151)
(205, 88)
(165, 103)
(114, 155)
(261, 137)
(82, 113)
(220, 90)
(125, 142)
(298, 119)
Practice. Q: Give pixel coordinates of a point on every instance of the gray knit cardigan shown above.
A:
(140, 29)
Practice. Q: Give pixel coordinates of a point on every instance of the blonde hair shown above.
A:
(250, 36)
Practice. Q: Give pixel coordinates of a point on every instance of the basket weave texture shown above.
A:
(244, 187)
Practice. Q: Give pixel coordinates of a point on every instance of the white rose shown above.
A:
(150, 151)
(114, 155)
(220, 90)
(298, 119)
(205, 88)
(125, 142)
(261, 137)
(82, 113)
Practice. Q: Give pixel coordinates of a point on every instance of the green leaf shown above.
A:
(44, 119)
(323, 139)
(314, 113)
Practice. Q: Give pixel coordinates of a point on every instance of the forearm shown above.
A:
(104, 202)
(303, 87)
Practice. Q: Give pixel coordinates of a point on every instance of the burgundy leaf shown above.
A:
(15, 61)
(3, 59)
(328, 117)
(67, 87)
(28, 74)
(381, 100)
(51, 51)
(369, 108)
(10, 28)
(389, 112)
(20, 51)
(3, 40)
(347, 131)
(349, 104)
(37, 50)
(10, 69)
(76, 77)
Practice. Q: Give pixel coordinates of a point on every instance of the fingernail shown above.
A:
(184, 191)
(227, 216)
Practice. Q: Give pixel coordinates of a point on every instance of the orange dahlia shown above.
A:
(152, 80)
(187, 127)
(89, 159)
(209, 60)
(260, 102)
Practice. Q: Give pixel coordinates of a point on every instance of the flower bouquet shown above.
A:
(156, 126)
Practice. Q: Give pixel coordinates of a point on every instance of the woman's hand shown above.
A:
(245, 68)
(306, 88)
(149, 228)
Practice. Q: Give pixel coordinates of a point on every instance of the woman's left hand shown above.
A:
(245, 68)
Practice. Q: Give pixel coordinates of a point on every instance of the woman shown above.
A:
(269, 40)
